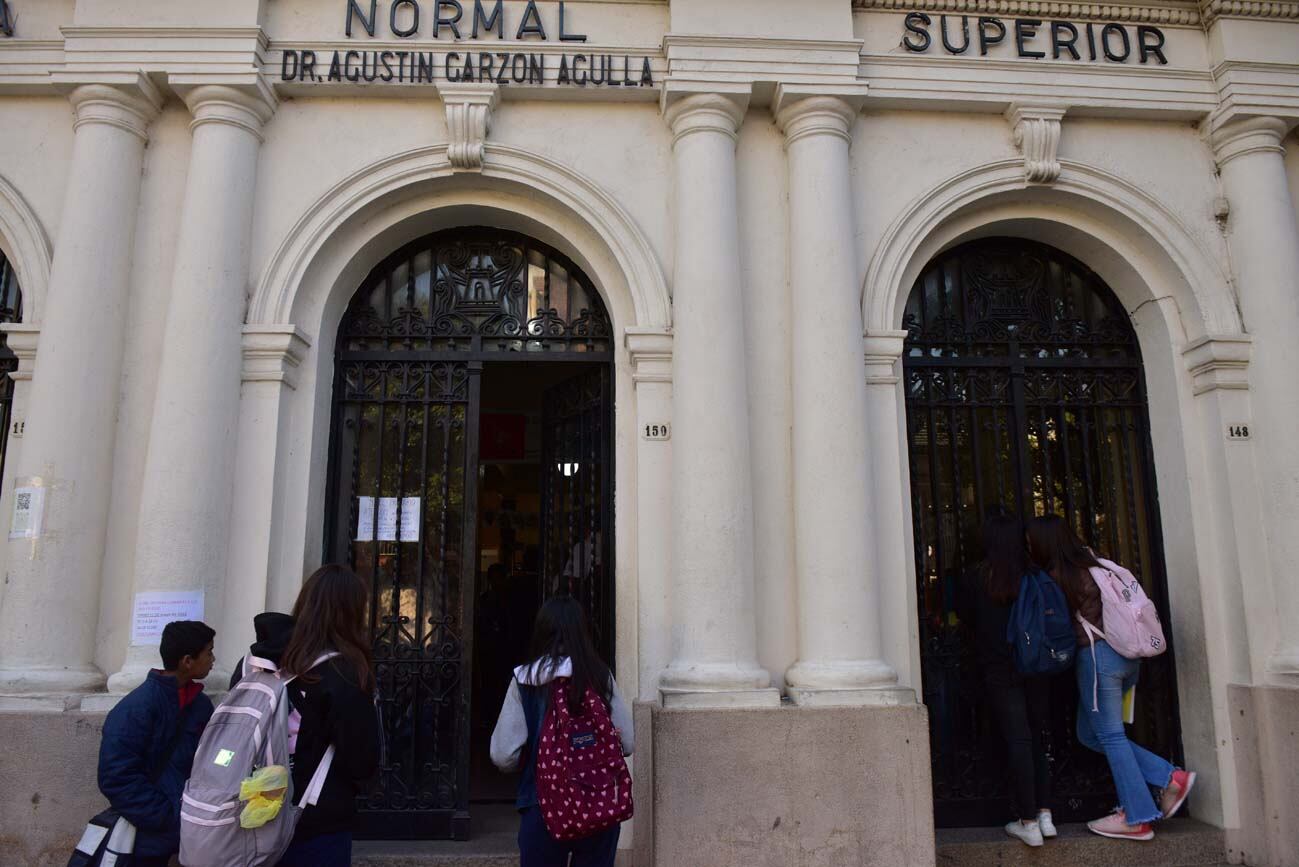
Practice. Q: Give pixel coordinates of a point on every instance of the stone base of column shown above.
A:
(718, 685)
(50, 680)
(1284, 661)
(881, 697)
(782, 786)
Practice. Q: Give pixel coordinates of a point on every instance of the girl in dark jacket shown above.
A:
(1106, 675)
(561, 647)
(336, 703)
(1019, 703)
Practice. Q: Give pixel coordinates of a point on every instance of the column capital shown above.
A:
(272, 353)
(469, 108)
(802, 110)
(650, 350)
(1251, 135)
(247, 108)
(1035, 130)
(129, 105)
(719, 111)
(1218, 361)
(22, 340)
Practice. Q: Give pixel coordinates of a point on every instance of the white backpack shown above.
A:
(248, 730)
(1132, 627)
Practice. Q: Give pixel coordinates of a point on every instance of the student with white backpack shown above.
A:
(1116, 626)
(327, 733)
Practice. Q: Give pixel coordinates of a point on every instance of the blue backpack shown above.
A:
(1040, 630)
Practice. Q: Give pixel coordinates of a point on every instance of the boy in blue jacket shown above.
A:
(142, 783)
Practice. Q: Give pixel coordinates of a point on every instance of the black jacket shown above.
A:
(136, 732)
(334, 711)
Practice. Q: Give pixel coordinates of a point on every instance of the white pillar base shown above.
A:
(1284, 661)
(841, 674)
(719, 699)
(892, 696)
(52, 679)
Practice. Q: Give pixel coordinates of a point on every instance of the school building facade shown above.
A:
(732, 318)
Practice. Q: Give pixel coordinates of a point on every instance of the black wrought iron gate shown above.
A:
(403, 484)
(1024, 389)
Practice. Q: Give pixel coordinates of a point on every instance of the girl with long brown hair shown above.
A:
(335, 699)
(1105, 675)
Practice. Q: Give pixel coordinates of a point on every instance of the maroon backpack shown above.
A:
(583, 785)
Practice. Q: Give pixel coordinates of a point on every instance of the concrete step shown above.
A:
(1177, 843)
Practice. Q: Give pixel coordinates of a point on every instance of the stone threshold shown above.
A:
(1178, 843)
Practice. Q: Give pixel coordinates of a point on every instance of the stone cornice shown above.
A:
(1212, 10)
(272, 353)
(1218, 362)
(22, 340)
(883, 351)
(650, 350)
(1181, 14)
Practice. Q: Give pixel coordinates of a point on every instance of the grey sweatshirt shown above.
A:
(511, 734)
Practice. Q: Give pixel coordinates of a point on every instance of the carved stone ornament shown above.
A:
(469, 119)
(1036, 130)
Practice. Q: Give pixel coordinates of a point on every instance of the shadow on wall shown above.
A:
(48, 768)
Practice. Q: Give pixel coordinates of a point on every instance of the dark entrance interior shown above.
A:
(471, 475)
(1024, 389)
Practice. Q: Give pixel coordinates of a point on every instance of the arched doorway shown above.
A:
(11, 310)
(1024, 389)
(470, 476)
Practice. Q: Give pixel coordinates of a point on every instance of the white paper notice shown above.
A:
(154, 610)
(387, 519)
(365, 519)
(410, 519)
(29, 511)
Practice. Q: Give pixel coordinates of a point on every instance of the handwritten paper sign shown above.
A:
(386, 528)
(155, 609)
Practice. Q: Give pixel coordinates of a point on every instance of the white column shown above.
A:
(49, 604)
(714, 641)
(840, 658)
(186, 495)
(889, 461)
(1264, 239)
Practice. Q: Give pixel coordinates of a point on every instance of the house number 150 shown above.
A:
(657, 432)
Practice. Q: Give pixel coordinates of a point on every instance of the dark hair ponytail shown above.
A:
(1004, 560)
(330, 615)
(1054, 547)
(560, 631)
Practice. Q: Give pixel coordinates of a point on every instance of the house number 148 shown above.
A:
(1237, 431)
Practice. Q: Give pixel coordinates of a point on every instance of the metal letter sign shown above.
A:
(6, 19)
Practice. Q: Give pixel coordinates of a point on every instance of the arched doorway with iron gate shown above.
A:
(1024, 389)
(11, 310)
(471, 475)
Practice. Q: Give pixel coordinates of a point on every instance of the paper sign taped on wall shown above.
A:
(29, 512)
(154, 610)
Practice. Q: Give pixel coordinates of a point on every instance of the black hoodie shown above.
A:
(334, 710)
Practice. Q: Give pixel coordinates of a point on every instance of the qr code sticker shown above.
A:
(24, 502)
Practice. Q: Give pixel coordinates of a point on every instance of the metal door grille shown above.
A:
(1024, 389)
(11, 310)
(403, 482)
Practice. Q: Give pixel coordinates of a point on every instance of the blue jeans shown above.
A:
(1134, 769)
(538, 849)
(327, 850)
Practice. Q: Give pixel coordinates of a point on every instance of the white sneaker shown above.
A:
(1030, 834)
(1044, 822)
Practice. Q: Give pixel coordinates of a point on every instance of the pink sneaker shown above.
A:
(1175, 794)
(1116, 825)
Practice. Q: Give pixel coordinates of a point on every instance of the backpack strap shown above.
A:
(324, 657)
(311, 794)
(1092, 634)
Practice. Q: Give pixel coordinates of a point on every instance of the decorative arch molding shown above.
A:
(27, 247)
(1087, 200)
(277, 296)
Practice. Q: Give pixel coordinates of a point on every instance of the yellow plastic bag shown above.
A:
(264, 793)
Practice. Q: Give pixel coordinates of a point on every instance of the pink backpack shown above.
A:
(1132, 627)
(583, 785)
